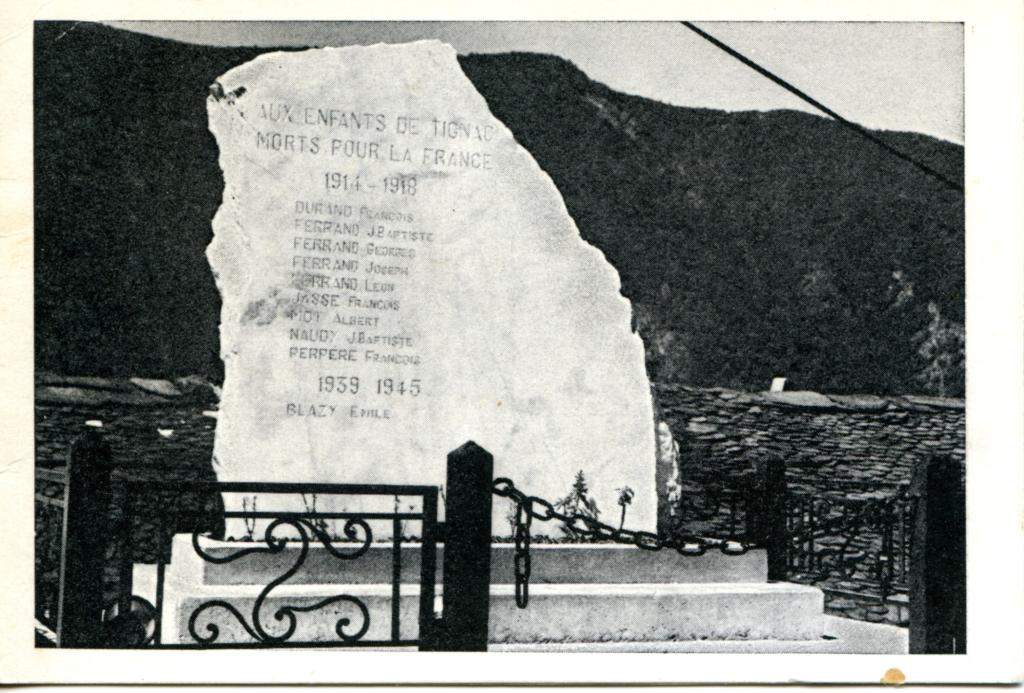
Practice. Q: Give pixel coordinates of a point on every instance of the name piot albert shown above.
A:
(353, 243)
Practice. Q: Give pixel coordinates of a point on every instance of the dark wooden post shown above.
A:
(467, 549)
(938, 566)
(84, 540)
(768, 513)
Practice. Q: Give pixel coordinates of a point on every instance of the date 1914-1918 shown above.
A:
(394, 185)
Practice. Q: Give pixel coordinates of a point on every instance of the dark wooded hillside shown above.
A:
(752, 244)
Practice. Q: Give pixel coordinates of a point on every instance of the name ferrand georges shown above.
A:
(352, 243)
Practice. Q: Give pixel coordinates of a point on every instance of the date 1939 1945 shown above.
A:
(350, 385)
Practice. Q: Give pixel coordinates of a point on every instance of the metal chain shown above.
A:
(588, 527)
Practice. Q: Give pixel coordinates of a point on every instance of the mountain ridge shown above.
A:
(752, 244)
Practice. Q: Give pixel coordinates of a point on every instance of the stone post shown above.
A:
(938, 568)
(85, 534)
(467, 549)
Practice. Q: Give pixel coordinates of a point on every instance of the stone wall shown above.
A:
(835, 445)
(830, 441)
(845, 450)
(827, 439)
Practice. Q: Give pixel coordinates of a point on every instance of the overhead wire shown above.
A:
(854, 127)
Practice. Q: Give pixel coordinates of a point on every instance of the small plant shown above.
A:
(511, 516)
(250, 520)
(401, 523)
(625, 498)
(318, 522)
(411, 507)
(578, 503)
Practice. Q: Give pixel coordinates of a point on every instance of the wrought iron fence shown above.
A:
(719, 508)
(862, 538)
(111, 525)
(50, 501)
(277, 544)
(855, 532)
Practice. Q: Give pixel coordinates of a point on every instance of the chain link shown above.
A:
(590, 528)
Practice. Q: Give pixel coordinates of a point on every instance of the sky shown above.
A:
(890, 76)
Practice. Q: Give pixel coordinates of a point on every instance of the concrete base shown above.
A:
(842, 636)
(557, 613)
(319, 625)
(637, 596)
(551, 563)
(645, 613)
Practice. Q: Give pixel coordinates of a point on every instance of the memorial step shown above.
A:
(841, 636)
(551, 563)
(565, 613)
(579, 593)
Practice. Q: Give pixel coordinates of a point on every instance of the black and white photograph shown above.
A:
(640, 340)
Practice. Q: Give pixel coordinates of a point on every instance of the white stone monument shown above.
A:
(399, 276)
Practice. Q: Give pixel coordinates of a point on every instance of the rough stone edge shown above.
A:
(225, 77)
(442, 50)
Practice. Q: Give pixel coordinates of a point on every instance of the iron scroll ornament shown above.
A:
(304, 527)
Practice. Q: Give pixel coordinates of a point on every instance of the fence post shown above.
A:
(467, 549)
(768, 512)
(83, 542)
(938, 569)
